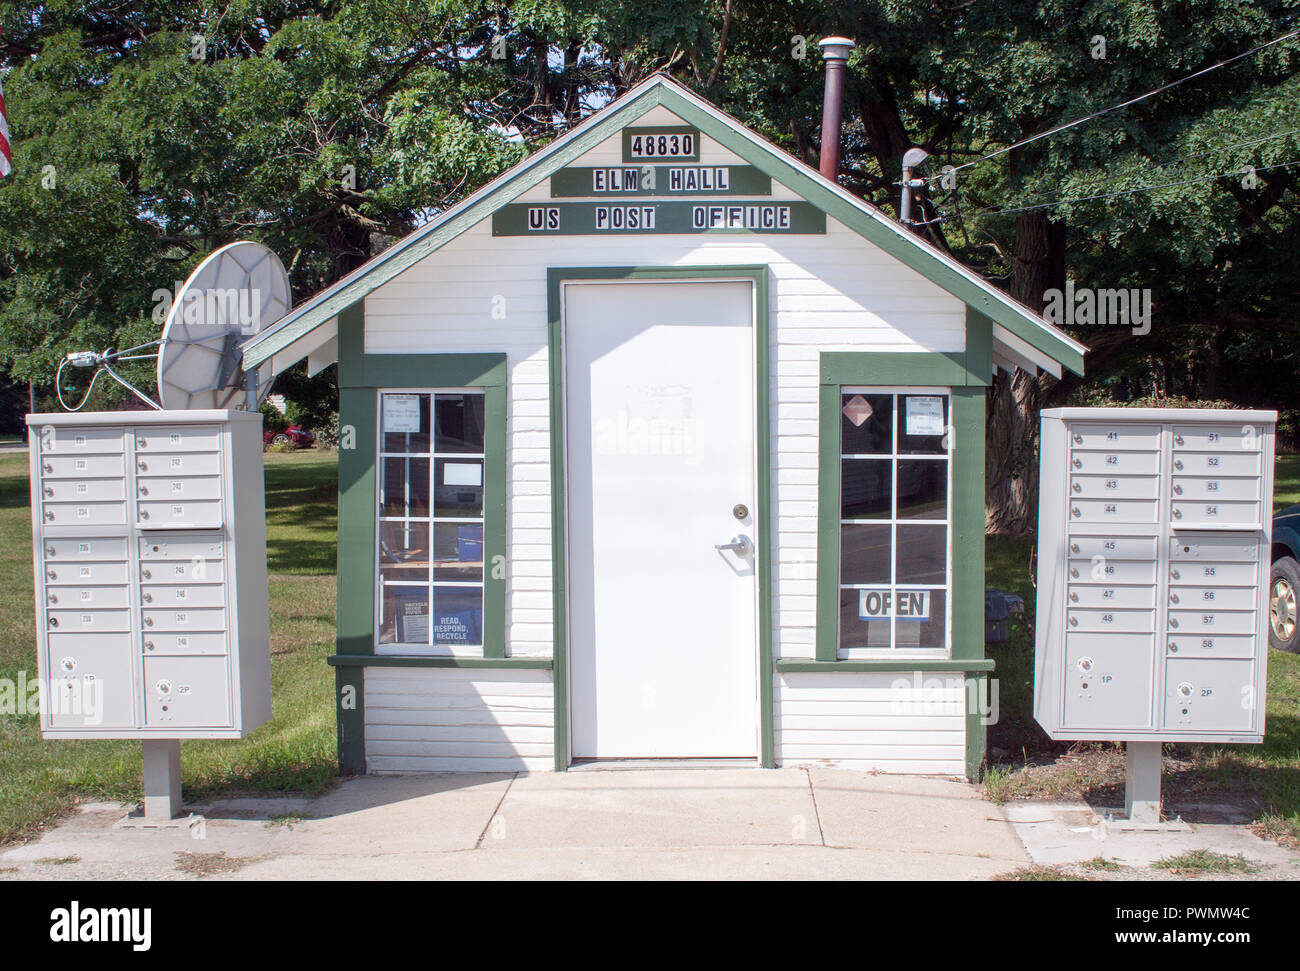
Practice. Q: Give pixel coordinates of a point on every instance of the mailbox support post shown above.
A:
(1142, 781)
(162, 778)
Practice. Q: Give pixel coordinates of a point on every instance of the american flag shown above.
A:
(6, 157)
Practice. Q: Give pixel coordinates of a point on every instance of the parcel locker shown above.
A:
(1153, 561)
(150, 558)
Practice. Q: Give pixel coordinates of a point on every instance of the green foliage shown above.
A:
(321, 129)
(272, 419)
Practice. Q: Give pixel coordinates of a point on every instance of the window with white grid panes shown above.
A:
(430, 510)
(895, 571)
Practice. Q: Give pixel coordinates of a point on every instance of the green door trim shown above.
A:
(361, 376)
(966, 375)
(556, 277)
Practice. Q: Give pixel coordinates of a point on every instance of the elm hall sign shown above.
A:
(674, 179)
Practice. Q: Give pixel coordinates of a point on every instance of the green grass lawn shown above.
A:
(1025, 762)
(295, 751)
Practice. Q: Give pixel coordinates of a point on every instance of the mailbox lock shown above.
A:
(1178, 514)
(1178, 490)
(49, 551)
(144, 489)
(49, 491)
(1174, 574)
(1085, 664)
(1078, 439)
(1076, 487)
(1173, 621)
(1185, 690)
(141, 442)
(1173, 648)
(53, 599)
(164, 687)
(52, 575)
(1178, 439)
(54, 622)
(1074, 621)
(148, 621)
(1074, 510)
(148, 598)
(142, 466)
(47, 467)
(146, 574)
(1173, 598)
(49, 515)
(1074, 597)
(1074, 547)
(1078, 464)
(1178, 464)
(144, 513)
(1074, 571)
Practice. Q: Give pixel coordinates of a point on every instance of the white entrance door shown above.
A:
(659, 399)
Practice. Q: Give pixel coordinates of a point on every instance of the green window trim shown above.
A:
(361, 376)
(764, 524)
(967, 374)
(433, 661)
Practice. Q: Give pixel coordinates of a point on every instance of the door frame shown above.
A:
(757, 275)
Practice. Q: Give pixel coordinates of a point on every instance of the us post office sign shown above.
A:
(658, 218)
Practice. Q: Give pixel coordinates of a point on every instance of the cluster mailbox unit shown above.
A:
(1153, 567)
(151, 594)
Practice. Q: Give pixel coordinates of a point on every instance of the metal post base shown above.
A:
(162, 778)
(1142, 782)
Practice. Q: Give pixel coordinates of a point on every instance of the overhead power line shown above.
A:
(1179, 160)
(1128, 192)
(1123, 104)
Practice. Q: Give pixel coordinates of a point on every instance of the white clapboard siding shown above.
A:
(458, 720)
(481, 293)
(879, 722)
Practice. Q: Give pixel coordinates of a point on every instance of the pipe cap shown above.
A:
(836, 48)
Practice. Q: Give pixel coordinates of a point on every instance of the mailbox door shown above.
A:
(1108, 681)
(187, 692)
(1210, 695)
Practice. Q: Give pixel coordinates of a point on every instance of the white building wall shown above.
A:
(458, 720)
(836, 292)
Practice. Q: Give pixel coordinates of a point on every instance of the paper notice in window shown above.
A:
(401, 412)
(462, 474)
(924, 415)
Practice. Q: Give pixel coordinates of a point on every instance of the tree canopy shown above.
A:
(147, 134)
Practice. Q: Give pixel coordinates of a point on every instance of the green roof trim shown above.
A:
(660, 90)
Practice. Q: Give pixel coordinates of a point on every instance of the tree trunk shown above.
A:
(1011, 457)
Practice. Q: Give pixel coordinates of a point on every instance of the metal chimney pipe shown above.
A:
(835, 51)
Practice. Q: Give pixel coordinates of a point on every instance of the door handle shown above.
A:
(739, 545)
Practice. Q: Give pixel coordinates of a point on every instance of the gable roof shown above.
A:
(1023, 337)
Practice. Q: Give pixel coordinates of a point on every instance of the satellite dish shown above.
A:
(230, 296)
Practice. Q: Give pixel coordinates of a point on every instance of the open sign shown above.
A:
(905, 604)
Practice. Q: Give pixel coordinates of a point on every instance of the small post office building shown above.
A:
(661, 446)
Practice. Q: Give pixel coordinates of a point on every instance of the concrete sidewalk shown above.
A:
(716, 823)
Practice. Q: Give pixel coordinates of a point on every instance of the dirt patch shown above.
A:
(211, 864)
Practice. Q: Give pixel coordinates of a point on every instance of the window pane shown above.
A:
(405, 489)
(922, 489)
(865, 488)
(458, 423)
(921, 618)
(404, 551)
(864, 553)
(866, 434)
(459, 487)
(922, 554)
(922, 423)
(458, 551)
(854, 630)
(458, 615)
(405, 615)
(406, 422)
